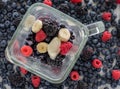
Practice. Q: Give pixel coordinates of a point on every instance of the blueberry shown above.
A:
(89, 5)
(48, 39)
(12, 28)
(88, 17)
(9, 15)
(113, 55)
(7, 24)
(3, 43)
(113, 85)
(108, 25)
(28, 3)
(14, 5)
(108, 57)
(15, 15)
(2, 26)
(9, 67)
(18, 7)
(98, 44)
(4, 12)
(22, 10)
(99, 17)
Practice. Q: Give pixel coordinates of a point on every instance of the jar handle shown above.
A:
(96, 28)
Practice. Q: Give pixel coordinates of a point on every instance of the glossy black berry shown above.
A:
(86, 53)
(50, 26)
(64, 8)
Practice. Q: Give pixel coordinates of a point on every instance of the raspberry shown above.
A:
(74, 75)
(24, 71)
(50, 26)
(76, 1)
(106, 16)
(36, 81)
(26, 50)
(97, 63)
(118, 1)
(116, 74)
(65, 47)
(106, 36)
(48, 2)
(40, 36)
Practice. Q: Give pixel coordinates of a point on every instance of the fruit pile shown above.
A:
(49, 39)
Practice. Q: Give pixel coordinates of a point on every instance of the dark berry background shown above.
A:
(11, 13)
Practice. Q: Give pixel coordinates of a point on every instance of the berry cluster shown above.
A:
(58, 44)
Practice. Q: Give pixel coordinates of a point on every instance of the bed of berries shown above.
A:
(97, 66)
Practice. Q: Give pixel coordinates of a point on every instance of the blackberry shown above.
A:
(86, 53)
(50, 26)
(81, 10)
(16, 80)
(64, 8)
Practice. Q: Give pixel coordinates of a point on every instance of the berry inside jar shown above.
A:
(48, 41)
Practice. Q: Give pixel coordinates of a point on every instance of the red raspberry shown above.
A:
(106, 16)
(65, 47)
(97, 63)
(26, 50)
(116, 74)
(48, 2)
(118, 1)
(106, 36)
(24, 71)
(76, 1)
(40, 36)
(36, 81)
(74, 75)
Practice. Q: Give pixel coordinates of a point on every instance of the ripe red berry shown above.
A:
(118, 1)
(24, 71)
(48, 2)
(26, 50)
(106, 16)
(74, 75)
(40, 36)
(97, 63)
(65, 47)
(116, 74)
(36, 81)
(106, 36)
(76, 1)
